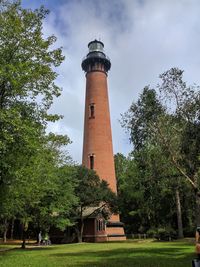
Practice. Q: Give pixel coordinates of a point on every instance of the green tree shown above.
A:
(174, 130)
(28, 158)
(121, 165)
(140, 115)
(178, 131)
(93, 192)
(57, 199)
(146, 193)
(139, 120)
(43, 191)
(27, 83)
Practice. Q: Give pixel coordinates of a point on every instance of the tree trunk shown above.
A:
(5, 231)
(23, 237)
(78, 234)
(81, 230)
(197, 210)
(12, 228)
(179, 214)
(79, 237)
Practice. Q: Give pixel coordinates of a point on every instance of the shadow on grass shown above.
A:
(139, 257)
(26, 250)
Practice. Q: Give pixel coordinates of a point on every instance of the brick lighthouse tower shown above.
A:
(97, 144)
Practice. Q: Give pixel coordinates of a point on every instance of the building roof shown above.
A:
(91, 212)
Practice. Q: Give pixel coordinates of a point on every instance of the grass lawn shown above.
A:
(118, 254)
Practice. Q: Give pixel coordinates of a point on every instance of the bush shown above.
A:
(163, 234)
(189, 231)
(151, 233)
(166, 234)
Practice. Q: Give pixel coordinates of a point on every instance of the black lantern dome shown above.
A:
(96, 60)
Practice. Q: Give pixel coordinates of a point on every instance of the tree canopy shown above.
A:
(33, 170)
(163, 128)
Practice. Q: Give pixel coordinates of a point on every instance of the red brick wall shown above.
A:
(97, 131)
(98, 137)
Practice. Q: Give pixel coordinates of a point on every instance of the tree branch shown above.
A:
(174, 161)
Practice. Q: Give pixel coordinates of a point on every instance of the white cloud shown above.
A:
(143, 38)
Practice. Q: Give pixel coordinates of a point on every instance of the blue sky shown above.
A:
(142, 39)
(47, 3)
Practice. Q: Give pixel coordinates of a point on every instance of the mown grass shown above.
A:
(118, 254)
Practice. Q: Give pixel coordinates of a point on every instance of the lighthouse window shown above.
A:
(91, 111)
(91, 162)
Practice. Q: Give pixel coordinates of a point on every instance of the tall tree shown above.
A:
(178, 130)
(27, 83)
(27, 90)
(148, 154)
(121, 165)
(56, 197)
(140, 115)
(175, 129)
(93, 192)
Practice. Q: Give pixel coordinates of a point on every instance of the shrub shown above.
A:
(163, 234)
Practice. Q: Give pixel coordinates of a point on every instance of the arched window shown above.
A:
(92, 111)
(91, 162)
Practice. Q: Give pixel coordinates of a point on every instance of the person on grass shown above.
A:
(39, 238)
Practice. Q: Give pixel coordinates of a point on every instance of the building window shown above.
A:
(103, 225)
(91, 111)
(91, 162)
(100, 225)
